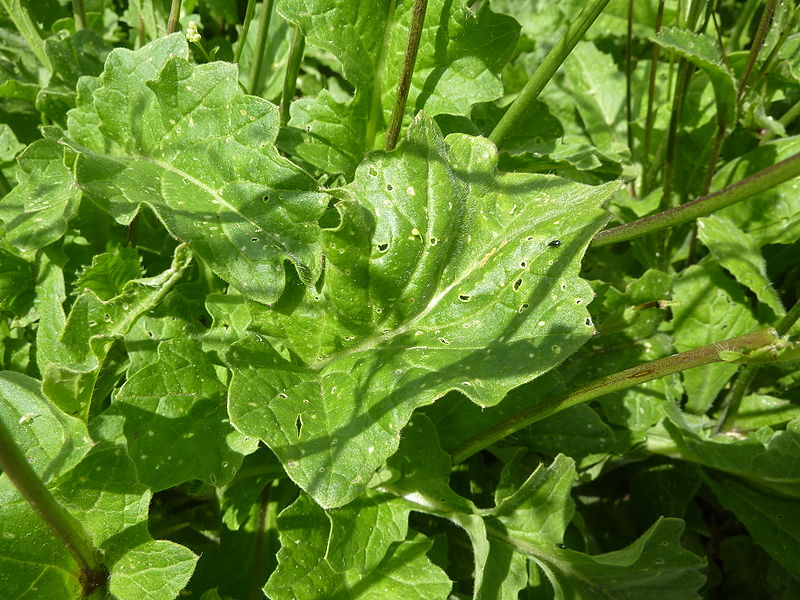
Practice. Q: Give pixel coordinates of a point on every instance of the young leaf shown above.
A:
(466, 282)
(185, 141)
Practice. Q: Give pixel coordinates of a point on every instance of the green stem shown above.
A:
(248, 17)
(412, 47)
(174, 15)
(756, 183)
(547, 69)
(65, 527)
(629, 80)
(140, 28)
(260, 50)
(744, 18)
(748, 373)
(679, 96)
(787, 31)
(755, 49)
(651, 94)
(296, 49)
(79, 10)
(613, 383)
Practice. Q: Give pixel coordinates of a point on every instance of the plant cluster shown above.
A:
(414, 299)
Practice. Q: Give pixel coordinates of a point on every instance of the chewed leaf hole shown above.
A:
(464, 297)
(529, 238)
(523, 264)
(254, 240)
(444, 341)
(434, 241)
(523, 307)
(589, 322)
(517, 283)
(373, 171)
(383, 247)
(389, 187)
(299, 425)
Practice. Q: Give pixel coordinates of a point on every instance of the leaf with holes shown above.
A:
(443, 274)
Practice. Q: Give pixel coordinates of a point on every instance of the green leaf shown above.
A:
(449, 285)
(304, 574)
(186, 142)
(709, 307)
(76, 352)
(176, 420)
(736, 252)
(764, 457)
(761, 410)
(16, 283)
(772, 520)
(455, 68)
(35, 213)
(703, 53)
(9, 145)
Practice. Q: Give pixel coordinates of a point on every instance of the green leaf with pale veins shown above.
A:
(740, 255)
(36, 212)
(109, 272)
(73, 354)
(303, 573)
(460, 56)
(184, 140)
(468, 282)
(176, 421)
(708, 307)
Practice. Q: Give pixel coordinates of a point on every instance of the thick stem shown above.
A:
(547, 69)
(248, 17)
(254, 84)
(613, 383)
(65, 527)
(755, 49)
(79, 11)
(705, 205)
(292, 69)
(174, 15)
(412, 47)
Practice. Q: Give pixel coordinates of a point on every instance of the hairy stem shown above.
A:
(755, 49)
(174, 15)
(756, 183)
(612, 383)
(248, 18)
(547, 69)
(65, 527)
(292, 69)
(748, 373)
(254, 85)
(79, 10)
(412, 47)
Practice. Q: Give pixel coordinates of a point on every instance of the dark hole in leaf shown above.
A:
(389, 187)
(464, 297)
(554, 243)
(383, 247)
(444, 341)
(299, 425)
(517, 283)
(254, 239)
(373, 171)
(523, 264)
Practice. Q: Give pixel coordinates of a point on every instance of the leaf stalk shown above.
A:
(296, 49)
(705, 205)
(174, 15)
(254, 85)
(656, 369)
(248, 18)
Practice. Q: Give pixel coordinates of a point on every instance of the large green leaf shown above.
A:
(468, 282)
(455, 68)
(154, 130)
